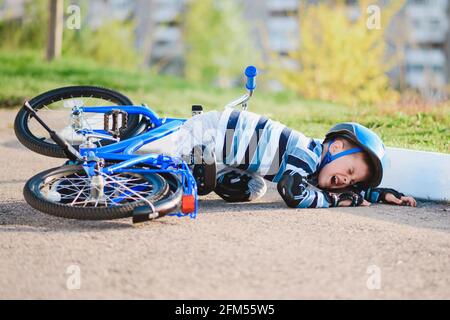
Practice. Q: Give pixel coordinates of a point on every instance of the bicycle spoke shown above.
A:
(57, 113)
(119, 189)
(78, 195)
(128, 189)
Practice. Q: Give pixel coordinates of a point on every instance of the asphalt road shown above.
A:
(258, 250)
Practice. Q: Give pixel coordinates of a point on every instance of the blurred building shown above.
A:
(99, 11)
(419, 36)
(158, 32)
(427, 45)
(11, 9)
(421, 31)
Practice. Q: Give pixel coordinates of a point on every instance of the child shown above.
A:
(344, 170)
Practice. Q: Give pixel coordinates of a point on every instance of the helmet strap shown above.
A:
(329, 157)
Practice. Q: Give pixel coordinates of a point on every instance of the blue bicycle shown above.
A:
(100, 132)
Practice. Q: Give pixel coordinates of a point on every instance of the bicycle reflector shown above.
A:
(188, 203)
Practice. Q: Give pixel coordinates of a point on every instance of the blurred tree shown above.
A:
(55, 29)
(341, 59)
(111, 44)
(29, 31)
(218, 42)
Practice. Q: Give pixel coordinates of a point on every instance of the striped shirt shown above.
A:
(256, 144)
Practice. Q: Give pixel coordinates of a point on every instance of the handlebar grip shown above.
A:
(251, 74)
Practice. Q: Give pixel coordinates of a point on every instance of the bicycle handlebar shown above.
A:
(251, 72)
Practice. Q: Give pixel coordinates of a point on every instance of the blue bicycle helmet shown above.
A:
(366, 140)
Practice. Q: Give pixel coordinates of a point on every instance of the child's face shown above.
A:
(345, 171)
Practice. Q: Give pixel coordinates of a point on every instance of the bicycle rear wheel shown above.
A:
(55, 107)
(65, 192)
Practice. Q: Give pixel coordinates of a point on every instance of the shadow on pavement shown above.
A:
(221, 206)
(18, 216)
(428, 215)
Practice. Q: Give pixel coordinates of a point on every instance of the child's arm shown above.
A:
(296, 192)
(389, 196)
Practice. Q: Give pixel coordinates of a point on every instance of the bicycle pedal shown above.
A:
(143, 214)
(196, 110)
(115, 122)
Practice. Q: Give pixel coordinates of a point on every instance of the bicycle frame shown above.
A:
(124, 151)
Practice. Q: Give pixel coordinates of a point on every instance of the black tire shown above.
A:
(35, 144)
(166, 198)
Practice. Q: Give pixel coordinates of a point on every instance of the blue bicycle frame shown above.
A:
(124, 151)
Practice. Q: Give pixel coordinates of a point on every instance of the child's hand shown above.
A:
(347, 199)
(391, 196)
(348, 203)
(402, 201)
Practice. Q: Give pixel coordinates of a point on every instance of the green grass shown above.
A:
(25, 74)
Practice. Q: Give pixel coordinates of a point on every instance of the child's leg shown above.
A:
(198, 130)
(232, 184)
(196, 145)
(235, 185)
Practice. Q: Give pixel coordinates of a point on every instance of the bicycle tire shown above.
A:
(166, 200)
(26, 137)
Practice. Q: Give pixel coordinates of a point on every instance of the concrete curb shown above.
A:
(421, 174)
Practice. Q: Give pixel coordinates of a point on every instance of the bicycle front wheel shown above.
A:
(55, 108)
(67, 192)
